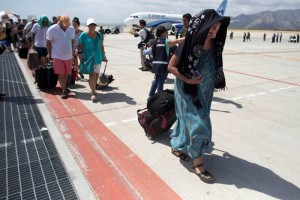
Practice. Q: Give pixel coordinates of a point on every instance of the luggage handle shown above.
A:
(106, 61)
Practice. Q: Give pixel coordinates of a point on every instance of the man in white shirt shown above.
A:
(143, 34)
(60, 41)
(27, 31)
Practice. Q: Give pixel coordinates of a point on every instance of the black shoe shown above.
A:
(81, 75)
(65, 95)
(145, 69)
(141, 68)
(2, 95)
(68, 90)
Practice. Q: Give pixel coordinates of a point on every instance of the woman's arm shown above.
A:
(102, 47)
(173, 68)
(176, 41)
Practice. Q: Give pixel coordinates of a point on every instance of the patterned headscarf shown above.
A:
(198, 30)
(44, 18)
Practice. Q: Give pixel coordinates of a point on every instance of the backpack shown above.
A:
(155, 124)
(149, 36)
(161, 102)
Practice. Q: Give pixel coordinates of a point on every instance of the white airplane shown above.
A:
(162, 19)
(153, 19)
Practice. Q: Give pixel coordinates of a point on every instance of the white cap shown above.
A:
(91, 21)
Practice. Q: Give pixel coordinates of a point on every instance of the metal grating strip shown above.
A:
(30, 167)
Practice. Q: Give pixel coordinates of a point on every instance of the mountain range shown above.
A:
(268, 20)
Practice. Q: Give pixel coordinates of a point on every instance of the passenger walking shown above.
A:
(265, 35)
(39, 31)
(143, 35)
(248, 37)
(198, 67)
(186, 21)
(161, 52)
(76, 25)
(27, 31)
(60, 40)
(91, 44)
(231, 35)
(244, 37)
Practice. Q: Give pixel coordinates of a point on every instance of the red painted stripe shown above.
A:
(270, 79)
(112, 169)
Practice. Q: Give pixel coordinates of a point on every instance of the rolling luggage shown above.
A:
(32, 59)
(154, 123)
(72, 77)
(23, 52)
(104, 79)
(160, 115)
(45, 77)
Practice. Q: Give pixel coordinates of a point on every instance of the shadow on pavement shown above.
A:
(221, 100)
(231, 170)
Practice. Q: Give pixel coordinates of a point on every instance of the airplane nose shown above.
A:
(127, 21)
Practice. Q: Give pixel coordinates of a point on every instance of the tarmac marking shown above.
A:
(112, 169)
(129, 120)
(266, 78)
(213, 103)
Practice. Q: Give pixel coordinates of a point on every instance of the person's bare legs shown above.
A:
(92, 83)
(63, 78)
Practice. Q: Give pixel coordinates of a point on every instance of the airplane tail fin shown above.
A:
(221, 9)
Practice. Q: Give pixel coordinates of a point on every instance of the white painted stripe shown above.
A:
(250, 95)
(237, 98)
(282, 88)
(273, 90)
(292, 86)
(110, 124)
(129, 120)
(261, 93)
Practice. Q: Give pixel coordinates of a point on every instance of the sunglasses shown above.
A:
(45, 21)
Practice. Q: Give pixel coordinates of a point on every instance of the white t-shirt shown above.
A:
(142, 33)
(40, 35)
(28, 27)
(61, 41)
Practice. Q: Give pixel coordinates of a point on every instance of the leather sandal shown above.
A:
(204, 176)
(181, 155)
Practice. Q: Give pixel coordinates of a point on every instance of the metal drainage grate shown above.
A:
(30, 167)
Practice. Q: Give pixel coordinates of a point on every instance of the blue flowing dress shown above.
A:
(193, 130)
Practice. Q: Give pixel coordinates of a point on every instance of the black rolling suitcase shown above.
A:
(45, 77)
(23, 52)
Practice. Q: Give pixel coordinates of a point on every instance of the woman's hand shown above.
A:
(195, 80)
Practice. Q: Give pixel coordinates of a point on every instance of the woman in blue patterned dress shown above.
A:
(198, 67)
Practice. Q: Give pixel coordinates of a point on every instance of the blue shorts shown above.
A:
(42, 51)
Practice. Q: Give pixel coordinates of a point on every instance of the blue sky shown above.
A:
(115, 11)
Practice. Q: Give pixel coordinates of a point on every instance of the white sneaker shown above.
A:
(93, 97)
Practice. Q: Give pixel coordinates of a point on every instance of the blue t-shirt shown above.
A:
(91, 46)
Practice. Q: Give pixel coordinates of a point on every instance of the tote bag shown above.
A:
(88, 66)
